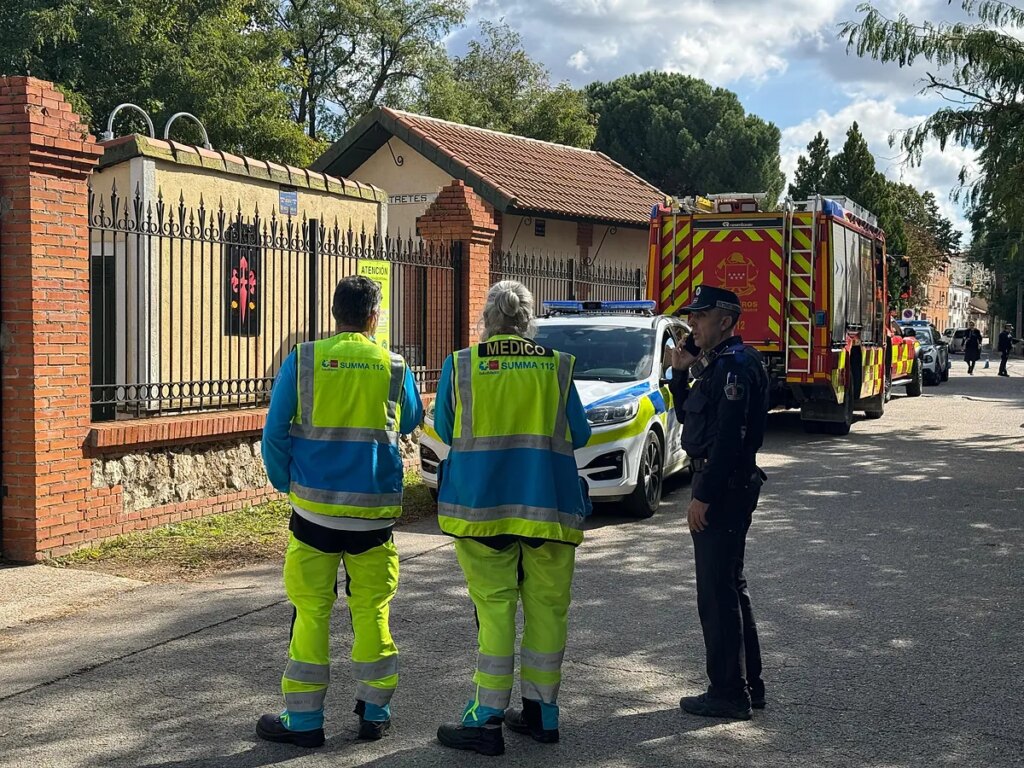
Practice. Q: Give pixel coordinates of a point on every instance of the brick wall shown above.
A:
(62, 473)
(46, 156)
(49, 446)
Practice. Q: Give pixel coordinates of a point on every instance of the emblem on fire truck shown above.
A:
(738, 274)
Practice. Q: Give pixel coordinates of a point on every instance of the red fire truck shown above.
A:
(813, 282)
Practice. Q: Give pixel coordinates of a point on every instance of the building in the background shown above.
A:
(959, 305)
(545, 198)
(205, 272)
(970, 274)
(978, 314)
(935, 307)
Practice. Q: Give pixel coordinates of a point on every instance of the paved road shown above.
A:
(885, 568)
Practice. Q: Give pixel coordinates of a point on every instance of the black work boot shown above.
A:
(757, 697)
(271, 728)
(370, 730)
(707, 706)
(528, 720)
(486, 739)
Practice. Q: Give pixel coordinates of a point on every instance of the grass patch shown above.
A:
(197, 548)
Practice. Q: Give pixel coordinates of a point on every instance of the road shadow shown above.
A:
(884, 568)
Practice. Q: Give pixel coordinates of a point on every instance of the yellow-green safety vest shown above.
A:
(496, 411)
(350, 390)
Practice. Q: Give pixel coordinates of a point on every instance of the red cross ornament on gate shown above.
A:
(244, 287)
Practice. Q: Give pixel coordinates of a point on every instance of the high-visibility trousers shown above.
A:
(497, 579)
(310, 580)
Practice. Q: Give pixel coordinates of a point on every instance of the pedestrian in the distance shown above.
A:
(723, 414)
(510, 494)
(1005, 347)
(331, 443)
(972, 348)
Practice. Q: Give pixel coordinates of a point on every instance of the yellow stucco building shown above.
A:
(207, 267)
(546, 198)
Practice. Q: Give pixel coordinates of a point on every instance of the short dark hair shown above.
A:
(355, 299)
(734, 316)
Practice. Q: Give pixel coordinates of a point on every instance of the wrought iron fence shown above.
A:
(195, 308)
(552, 278)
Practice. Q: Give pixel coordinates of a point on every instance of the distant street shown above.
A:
(885, 568)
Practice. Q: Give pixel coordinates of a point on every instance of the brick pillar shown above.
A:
(459, 215)
(584, 239)
(46, 156)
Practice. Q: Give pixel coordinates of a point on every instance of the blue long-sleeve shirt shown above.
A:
(282, 452)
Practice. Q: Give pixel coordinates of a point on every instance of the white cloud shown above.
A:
(580, 61)
(722, 41)
(937, 172)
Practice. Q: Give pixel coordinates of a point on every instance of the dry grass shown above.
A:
(198, 548)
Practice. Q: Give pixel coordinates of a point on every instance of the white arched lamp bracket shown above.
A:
(108, 134)
(175, 116)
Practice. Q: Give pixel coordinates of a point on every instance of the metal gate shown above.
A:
(195, 308)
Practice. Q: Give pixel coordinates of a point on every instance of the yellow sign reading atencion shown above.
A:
(380, 273)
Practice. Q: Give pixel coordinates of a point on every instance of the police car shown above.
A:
(933, 352)
(621, 361)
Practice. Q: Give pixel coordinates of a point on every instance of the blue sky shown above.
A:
(782, 58)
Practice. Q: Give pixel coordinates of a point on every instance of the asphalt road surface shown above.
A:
(885, 569)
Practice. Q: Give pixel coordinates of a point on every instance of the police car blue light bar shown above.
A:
(639, 305)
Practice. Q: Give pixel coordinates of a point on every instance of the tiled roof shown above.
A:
(135, 145)
(513, 173)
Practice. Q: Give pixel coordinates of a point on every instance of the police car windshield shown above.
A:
(603, 352)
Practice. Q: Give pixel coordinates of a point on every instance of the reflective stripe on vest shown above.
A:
(306, 376)
(534, 515)
(369, 415)
(468, 440)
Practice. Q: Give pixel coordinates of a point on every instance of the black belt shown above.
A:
(699, 465)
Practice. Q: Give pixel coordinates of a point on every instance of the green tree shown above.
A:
(929, 238)
(980, 74)
(852, 173)
(349, 55)
(684, 136)
(497, 85)
(219, 59)
(812, 170)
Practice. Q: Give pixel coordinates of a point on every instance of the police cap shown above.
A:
(710, 297)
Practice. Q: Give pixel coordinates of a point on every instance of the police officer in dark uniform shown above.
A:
(1005, 347)
(723, 413)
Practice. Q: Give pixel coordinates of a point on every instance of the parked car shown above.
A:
(934, 352)
(956, 340)
(620, 375)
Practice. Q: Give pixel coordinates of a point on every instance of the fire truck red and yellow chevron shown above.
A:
(802, 297)
(902, 360)
(679, 261)
(872, 371)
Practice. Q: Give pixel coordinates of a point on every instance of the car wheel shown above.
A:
(914, 387)
(945, 371)
(645, 498)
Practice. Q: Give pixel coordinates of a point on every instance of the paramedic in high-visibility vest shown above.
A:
(331, 443)
(510, 494)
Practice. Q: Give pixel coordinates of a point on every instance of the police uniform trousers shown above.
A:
(500, 571)
(1004, 357)
(311, 566)
(723, 602)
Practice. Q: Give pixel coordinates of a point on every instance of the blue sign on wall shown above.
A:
(288, 202)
